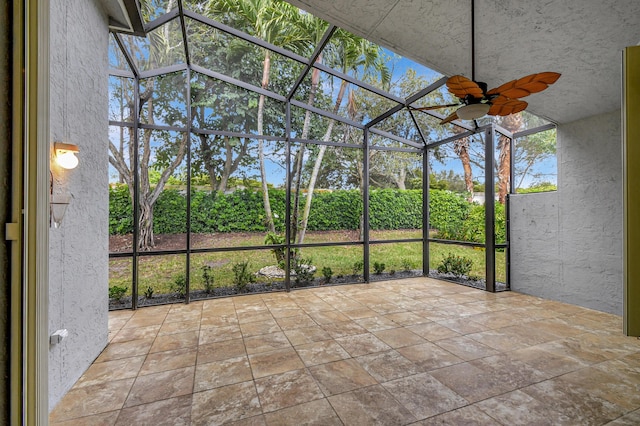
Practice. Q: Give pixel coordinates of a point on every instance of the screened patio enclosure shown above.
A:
(261, 150)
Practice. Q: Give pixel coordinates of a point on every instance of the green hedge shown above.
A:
(471, 228)
(243, 210)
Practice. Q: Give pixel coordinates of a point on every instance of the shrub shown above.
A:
(457, 265)
(327, 273)
(406, 264)
(208, 279)
(241, 275)
(179, 285)
(303, 269)
(120, 210)
(358, 266)
(117, 292)
(276, 239)
(472, 227)
(148, 293)
(447, 208)
(378, 268)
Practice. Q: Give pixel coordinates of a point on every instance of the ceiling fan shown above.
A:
(475, 100)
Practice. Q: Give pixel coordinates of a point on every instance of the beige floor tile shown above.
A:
(104, 419)
(531, 361)
(158, 386)
(280, 312)
(221, 320)
(630, 419)
(302, 336)
(90, 400)
(429, 356)
(578, 349)
(136, 333)
(321, 352)
(266, 343)
(343, 328)
(611, 386)
(275, 362)
(475, 382)
(169, 360)
(372, 405)
(318, 413)
(406, 318)
(328, 317)
(125, 349)
(432, 331)
(287, 389)
(297, 321)
(182, 316)
(221, 350)
(389, 365)
(466, 348)
(360, 313)
(399, 337)
(424, 396)
(167, 412)
(171, 342)
(376, 323)
(341, 376)
(362, 344)
(500, 339)
(557, 326)
(528, 333)
(463, 326)
(465, 416)
(259, 328)
(549, 363)
(249, 421)
(222, 373)
(118, 369)
(179, 327)
(578, 404)
(142, 318)
(518, 408)
(219, 334)
(226, 404)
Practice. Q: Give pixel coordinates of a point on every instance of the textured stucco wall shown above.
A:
(567, 245)
(5, 194)
(79, 248)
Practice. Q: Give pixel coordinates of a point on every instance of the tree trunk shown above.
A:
(316, 167)
(504, 168)
(297, 172)
(263, 173)
(400, 178)
(512, 123)
(461, 148)
(146, 241)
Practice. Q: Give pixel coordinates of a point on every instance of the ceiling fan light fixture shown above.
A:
(473, 111)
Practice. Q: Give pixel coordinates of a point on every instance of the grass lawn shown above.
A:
(160, 271)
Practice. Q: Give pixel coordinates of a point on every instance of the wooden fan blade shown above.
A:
(428, 108)
(511, 106)
(526, 85)
(461, 86)
(450, 118)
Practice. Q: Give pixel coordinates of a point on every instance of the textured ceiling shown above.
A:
(582, 39)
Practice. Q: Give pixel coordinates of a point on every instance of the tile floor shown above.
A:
(415, 351)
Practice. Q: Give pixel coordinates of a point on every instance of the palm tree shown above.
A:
(277, 23)
(348, 53)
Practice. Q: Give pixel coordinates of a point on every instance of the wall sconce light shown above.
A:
(59, 205)
(66, 155)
